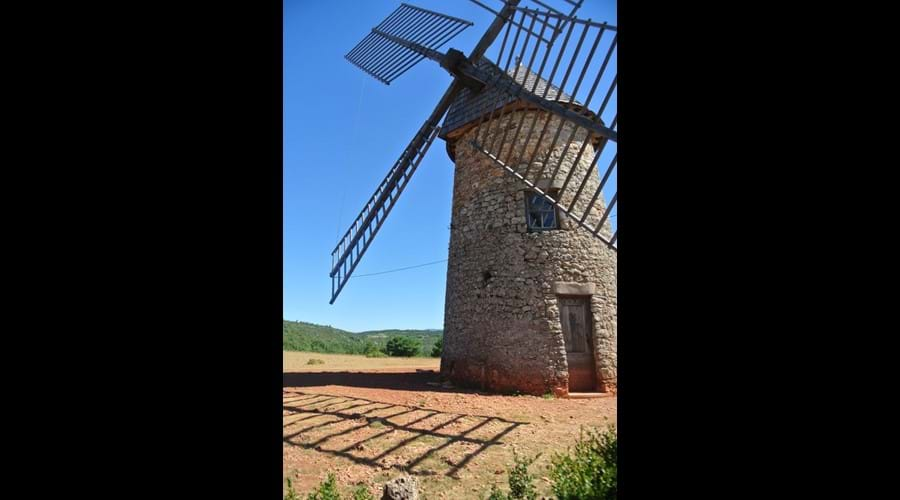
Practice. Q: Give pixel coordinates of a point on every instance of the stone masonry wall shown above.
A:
(502, 329)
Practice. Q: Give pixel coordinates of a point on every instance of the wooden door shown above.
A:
(575, 316)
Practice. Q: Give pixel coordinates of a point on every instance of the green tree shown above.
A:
(369, 347)
(403, 346)
(438, 348)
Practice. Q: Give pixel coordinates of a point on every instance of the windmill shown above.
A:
(531, 275)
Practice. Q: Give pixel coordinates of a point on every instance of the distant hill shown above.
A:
(300, 336)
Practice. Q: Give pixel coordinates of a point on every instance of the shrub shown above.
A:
(521, 482)
(589, 471)
(291, 494)
(314, 361)
(362, 493)
(437, 348)
(376, 354)
(496, 494)
(403, 346)
(327, 490)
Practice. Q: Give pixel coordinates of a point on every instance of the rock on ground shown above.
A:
(401, 488)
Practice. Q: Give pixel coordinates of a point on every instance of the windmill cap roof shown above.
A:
(469, 107)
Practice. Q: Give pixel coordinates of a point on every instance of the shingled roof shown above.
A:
(468, 107)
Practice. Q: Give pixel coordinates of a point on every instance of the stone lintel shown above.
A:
(545, 184)
(572, 288)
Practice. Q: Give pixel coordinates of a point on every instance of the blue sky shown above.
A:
(342, 132)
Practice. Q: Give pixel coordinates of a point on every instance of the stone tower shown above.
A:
(531, 296)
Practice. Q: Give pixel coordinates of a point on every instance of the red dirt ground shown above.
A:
(369, 427)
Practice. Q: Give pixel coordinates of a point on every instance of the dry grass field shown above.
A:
(369, 420)
(298, 362)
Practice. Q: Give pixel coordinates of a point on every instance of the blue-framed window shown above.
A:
(540, 213)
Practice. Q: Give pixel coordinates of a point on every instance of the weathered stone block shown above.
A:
(570, 288)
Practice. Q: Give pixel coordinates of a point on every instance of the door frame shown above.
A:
(590, 339)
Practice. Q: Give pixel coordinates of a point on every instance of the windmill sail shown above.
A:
(356, 240)
(550, 36)
(380, 55)
(385, 59)
(578, 65)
